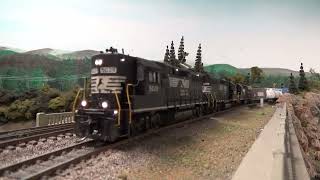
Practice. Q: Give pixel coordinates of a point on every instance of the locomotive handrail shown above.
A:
(119, 108)
(75, 100)
(129, 102)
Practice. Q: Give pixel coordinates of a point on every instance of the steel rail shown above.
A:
(30, 131)
(67, 161)
(16, 141)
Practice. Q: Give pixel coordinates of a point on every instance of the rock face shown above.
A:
(304, 110)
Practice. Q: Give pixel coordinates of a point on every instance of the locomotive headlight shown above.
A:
(104, 104)
(98, 62)
(83, 103)
(115, 112)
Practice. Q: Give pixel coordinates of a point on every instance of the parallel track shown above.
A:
(48, 164)
(15, 137)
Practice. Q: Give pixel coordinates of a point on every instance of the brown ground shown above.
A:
(208, 149)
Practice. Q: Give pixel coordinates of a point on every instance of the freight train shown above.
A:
(129, 95)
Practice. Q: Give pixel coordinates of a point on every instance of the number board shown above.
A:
(108, 70)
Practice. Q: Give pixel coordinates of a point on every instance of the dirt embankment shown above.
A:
(304, 110)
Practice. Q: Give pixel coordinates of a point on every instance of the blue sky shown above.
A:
(242, 33)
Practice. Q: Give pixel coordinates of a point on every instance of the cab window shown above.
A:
(154, 77)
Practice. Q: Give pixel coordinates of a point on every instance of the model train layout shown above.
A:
(129, 95)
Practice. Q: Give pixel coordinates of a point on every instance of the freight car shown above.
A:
(129, 95)
(267, 94)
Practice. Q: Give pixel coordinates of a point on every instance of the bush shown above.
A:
(314, 84)
(57, 103)
(6, 97)
(3, 111)
(69, 97)
(19, 110)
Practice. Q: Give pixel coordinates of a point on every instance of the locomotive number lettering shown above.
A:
(108, 70)
(153, 88)
(178, 82)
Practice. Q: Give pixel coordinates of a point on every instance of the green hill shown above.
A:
(22, 71)
(275, 72)
(222, 69)
(5, 52)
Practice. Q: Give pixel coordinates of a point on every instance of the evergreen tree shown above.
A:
(256, 74)
(247, 79)
(181, 53)
(292, 85)
(198, 66)
(303, 83)
(166, 56)
(172, 56)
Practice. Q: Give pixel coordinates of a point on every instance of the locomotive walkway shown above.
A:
(275, 154)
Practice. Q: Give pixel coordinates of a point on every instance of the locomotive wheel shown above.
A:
(134, 130)
(112, 132)
(155, 120)
(137, 126)
(197, 111)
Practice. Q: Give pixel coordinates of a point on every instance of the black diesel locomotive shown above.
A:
(129, 95)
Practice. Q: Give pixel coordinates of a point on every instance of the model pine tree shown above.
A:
(303, 83)
(166, 56)
(181, 53)
(292, 85)
(198, 66)
(247, 79)
(172, 56)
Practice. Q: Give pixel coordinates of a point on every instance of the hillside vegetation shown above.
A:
(6, 52)
(25, 106)
(222, 70)
(21, 72)
(271, 77)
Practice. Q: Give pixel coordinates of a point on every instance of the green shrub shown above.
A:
(314, 84)
(19, 110)
(57, 103)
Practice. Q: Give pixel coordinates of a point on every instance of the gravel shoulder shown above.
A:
(207, 149)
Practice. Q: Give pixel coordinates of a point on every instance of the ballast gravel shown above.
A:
(207, 149)
(32, 149)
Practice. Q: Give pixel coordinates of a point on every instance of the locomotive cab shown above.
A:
(102, 114)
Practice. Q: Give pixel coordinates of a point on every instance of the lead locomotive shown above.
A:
(129, 95)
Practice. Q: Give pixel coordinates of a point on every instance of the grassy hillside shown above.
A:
(79, 54)
(271, 76)
(273, 71)
(23, 71)
(222, 69)
(5, 52)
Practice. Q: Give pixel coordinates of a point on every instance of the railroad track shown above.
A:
(16, 137)
(50, 163)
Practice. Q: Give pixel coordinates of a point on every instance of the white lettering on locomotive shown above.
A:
(206, 89)
(108, 70)
(178, 82)
(184, 92)
(107, 84)
(153, 88)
